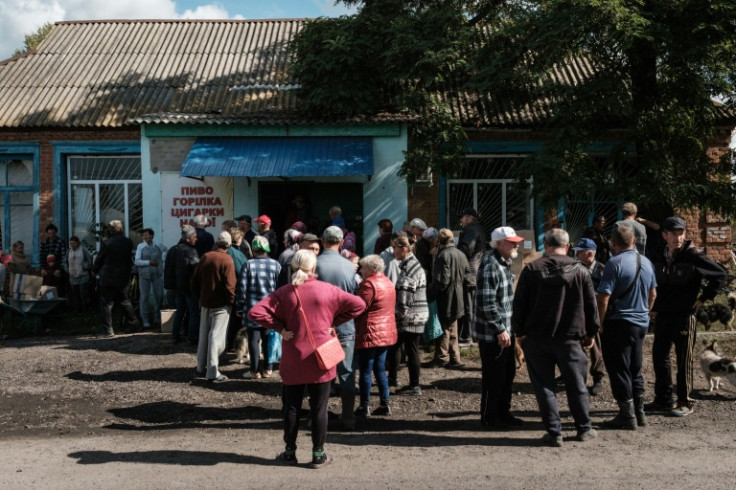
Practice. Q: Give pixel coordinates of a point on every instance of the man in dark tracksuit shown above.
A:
(680, 269)
(472, 243)
(554, 309)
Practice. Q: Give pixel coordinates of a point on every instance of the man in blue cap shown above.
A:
(586, 253)
(681, 269)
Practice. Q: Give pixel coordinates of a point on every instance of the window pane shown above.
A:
(105, 168)
(112, 202)
(518, 207)
(135, 207)
(460, 196)
(83, 214)
(20, 173)
(490, 196)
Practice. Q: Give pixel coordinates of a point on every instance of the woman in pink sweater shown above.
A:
(324, 306)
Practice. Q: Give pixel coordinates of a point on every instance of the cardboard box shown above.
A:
(48, 292)
(167, 320)
(25, 286)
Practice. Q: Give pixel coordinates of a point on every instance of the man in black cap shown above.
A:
(472, 244)
(245, 223)
(680, 269)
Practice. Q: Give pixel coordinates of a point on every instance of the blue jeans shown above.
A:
(372, 361)
(147, 286)
(346, 369)
(255, 335)
(186, 307)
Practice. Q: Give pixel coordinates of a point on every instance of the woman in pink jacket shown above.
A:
(324, 306)
(375, 331)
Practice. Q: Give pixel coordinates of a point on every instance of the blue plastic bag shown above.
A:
(274, 347)
(433, 328)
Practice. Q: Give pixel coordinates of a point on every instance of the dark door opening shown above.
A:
(278, 200)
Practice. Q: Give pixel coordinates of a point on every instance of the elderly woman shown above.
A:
(375, 331)
(304, 312)
(412, 312)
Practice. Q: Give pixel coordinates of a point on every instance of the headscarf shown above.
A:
(20, 263)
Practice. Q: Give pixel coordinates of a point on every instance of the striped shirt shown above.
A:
(258, 278)
(494, 298)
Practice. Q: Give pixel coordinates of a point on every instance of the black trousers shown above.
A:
(319, 395)
(465, 324)
(680, 331)
(120, 295)
(410, 341)
(622, 352)
(498, 370)
(542, 355)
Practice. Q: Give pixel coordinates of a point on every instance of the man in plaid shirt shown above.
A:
(258, 278)
(492, 329)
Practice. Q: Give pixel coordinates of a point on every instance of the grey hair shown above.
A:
(302, 265)
(373, 263)
(116, 225)
(494, 244)
(200, 220)
(556, 238)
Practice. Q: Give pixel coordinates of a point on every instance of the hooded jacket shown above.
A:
(555, 299)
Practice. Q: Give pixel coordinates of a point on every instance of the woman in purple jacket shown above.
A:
(324, 306)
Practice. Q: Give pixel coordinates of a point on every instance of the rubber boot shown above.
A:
(348, 414)
(641, 418)
(625, 420)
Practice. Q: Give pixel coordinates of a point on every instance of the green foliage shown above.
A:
(649, 70)
(32, 40)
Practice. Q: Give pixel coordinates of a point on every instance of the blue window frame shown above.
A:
(19, 196)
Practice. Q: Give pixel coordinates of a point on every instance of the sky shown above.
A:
(21, 17)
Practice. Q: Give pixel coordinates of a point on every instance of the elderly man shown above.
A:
(333, 268)
(213, 286)
(308, 241)
(554, 309)
(178, 269)
(681, 269)
(264, 229)
(245, 223)
(205, 240)
(595, 233)
(625, 295)
(422, 246)
(149, 260)
(586, 253)
(628, 211)
(113, 267)
(472, 244)
(492, 328)
(450, 273)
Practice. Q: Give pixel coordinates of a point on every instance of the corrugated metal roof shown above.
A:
(280, 157)
(106, 74)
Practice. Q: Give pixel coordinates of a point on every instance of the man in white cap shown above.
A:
(213, 285)
(422, 246)
(492, 329)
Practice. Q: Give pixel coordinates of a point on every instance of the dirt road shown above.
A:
(128, 413)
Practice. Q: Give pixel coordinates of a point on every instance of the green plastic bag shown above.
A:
(433, 328)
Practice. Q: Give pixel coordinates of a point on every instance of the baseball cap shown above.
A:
(469, 212)
(673, 223)
(419, 223)
(333, 234)
(505, 233)
(299, 226)
(260, 244)
(246, 218)
(225, 238)
(585, 244)
(309, 237)
(263, 219)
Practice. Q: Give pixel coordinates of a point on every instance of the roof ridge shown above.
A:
(176, 21)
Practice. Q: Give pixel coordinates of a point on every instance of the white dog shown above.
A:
(716, 366)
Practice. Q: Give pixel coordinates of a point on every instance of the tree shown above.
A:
(651, 70)
(32, 40)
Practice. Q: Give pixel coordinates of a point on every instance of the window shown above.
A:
(101, 189)
(17, 194)
(486, 185)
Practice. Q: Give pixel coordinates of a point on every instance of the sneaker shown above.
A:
(660, 406)
(552, 441)
(287, 459)
(382, 410)
(587, 435)
(251, 375)
(681, 411)
(454, 365)
(219, 379)
(267, 373)
(410, 391)
(320, 462)
(362, 411)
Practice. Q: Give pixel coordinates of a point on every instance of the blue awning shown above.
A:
(280, 157)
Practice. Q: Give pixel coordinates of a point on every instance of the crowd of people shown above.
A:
(288, 301)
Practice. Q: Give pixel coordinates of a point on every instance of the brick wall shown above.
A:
(45, 137)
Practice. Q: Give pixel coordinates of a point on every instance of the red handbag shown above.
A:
(329, 354)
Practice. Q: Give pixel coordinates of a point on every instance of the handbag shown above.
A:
(329, 354)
